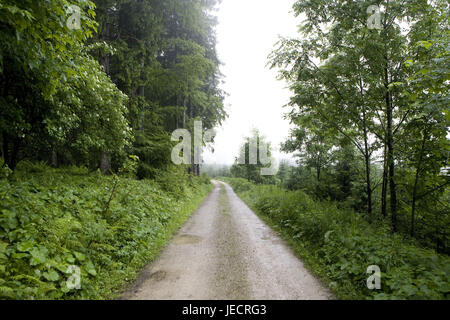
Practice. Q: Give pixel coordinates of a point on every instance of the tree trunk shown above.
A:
(416, 182)
(368, 187)
(176, 115)
(184, 113)
(14, 154)
(5, 151)
(318, 168)
(105, 162)
(54, 157)
(193, 164)
(105, 63)
(438, 239)
(385, 184)
(390, 146)
(367, 165)
(141, 93)
(105, 165)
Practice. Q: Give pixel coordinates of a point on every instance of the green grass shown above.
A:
(110, 228)
(223, 202)
(338, 246)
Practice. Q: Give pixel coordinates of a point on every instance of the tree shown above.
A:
(53, 92)
(250, 163)
(346, 77)
(165, 61)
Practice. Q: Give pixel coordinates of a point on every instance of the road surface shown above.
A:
(225, 252)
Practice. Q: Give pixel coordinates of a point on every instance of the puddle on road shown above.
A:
(186, 239)
(158, 275)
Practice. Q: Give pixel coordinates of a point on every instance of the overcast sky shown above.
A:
(246, 34)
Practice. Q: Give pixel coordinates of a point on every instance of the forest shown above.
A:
(90, 94)
(119, 85)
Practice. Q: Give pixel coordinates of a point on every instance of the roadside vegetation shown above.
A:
(369, 111)
(108, 226)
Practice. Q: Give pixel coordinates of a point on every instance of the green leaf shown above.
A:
(79, 256)
(39, 256)
(25, 246)
(408, 63)
(69, 258)
(425, 44)
(51, 275)
(19, 255)
(90, 268)
(424, 71)
(3, 246)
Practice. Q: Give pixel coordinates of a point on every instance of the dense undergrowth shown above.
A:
(339, 246)
(108, 226)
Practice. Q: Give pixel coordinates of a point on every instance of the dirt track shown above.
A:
(225, 251)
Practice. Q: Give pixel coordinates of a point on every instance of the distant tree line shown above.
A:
(216, 170)
(248, 164)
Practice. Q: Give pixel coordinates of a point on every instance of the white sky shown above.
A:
(246, 34)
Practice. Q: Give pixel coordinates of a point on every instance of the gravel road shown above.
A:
(225, 252)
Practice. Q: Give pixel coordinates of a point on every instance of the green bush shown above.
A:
(109, 227)
(4, 169)
(241, 185)
(339, 245)
(173, 181)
